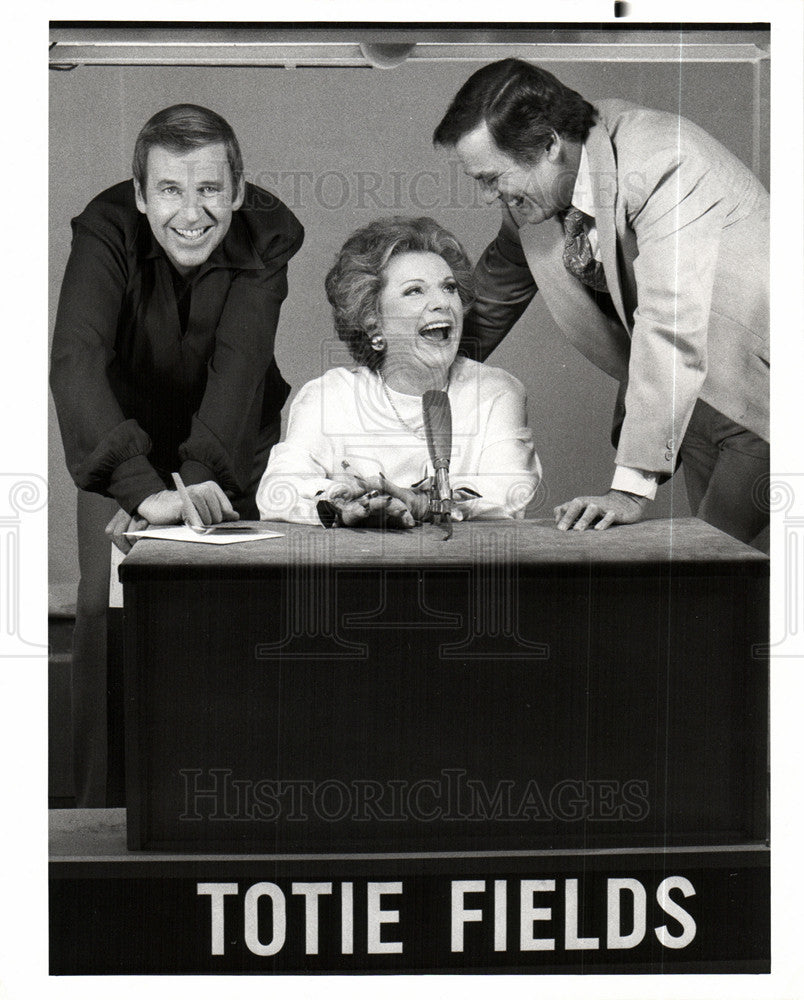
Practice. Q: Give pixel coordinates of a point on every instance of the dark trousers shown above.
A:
(726, 469)
(89, 668)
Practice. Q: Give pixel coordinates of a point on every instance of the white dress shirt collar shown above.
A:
(582, 198)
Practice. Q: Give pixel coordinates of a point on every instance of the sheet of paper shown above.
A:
(181, 533)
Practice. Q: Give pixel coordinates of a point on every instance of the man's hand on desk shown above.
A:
(208, 498)
(616, 507)
(121, 523)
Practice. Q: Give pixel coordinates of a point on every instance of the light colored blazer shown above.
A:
(683, 235)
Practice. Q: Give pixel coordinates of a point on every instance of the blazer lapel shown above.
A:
(603, 171)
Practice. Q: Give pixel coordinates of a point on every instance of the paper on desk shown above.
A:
(181, 533)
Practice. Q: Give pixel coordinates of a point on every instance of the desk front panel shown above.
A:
(460, 707)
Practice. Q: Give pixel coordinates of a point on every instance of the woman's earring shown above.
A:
(377, 342)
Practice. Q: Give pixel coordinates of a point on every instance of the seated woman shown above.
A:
(398, 289)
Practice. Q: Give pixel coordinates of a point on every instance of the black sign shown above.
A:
(649, 912)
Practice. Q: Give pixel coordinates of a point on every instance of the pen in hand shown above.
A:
(190, 515)
(194, 521)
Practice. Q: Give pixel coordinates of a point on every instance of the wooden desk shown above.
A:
(515, 688)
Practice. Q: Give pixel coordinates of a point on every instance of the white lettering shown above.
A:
(614, 936)
(571, 940)
(528, 914)
(251, 918)
(377, 916)
(460, 915)
(672, 909)
(216, 891)
(347, 919)
(311, 891)
(500, 914)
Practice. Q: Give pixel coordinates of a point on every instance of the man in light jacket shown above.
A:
(649, 243)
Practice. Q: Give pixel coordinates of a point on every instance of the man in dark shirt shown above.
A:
(162, 361)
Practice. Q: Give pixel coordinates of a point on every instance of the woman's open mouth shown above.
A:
(436, 332)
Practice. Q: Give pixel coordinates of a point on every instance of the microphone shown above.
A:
(438, 431)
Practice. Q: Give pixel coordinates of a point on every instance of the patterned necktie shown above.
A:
(578, 257)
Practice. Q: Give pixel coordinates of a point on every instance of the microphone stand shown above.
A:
(438, 430)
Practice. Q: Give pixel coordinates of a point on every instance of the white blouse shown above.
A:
(345, 416)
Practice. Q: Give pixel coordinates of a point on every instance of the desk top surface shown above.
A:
(536, 543)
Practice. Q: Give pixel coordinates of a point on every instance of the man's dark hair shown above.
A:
(521, 104)
(183, 127)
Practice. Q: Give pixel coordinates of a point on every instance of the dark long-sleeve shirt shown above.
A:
(149, 372)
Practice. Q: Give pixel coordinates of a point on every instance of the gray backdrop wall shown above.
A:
(340, 147)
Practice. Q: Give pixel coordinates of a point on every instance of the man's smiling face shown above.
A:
(533, 192)
(188, 201)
